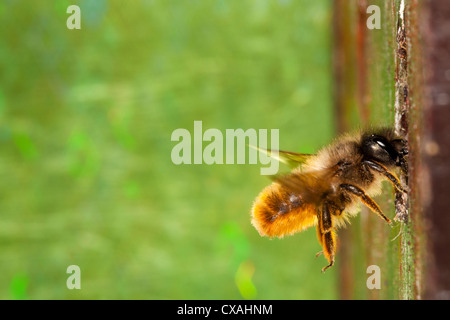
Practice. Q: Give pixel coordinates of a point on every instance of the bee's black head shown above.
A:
(386, 148)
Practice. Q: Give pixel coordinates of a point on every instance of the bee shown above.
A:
(326, 189)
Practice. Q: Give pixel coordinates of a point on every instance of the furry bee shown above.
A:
(325, 189)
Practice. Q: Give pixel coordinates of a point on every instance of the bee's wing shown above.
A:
(311, 184)
(290, 204)
(292, 159)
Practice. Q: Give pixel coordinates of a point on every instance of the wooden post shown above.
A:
(435, 146)
(398, 75)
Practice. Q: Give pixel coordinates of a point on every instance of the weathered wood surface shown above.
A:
(398, 75)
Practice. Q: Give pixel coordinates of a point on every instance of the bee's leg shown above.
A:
(319, 237)
(383, 170)
(368, 201)
(326, 234)
(329, 239)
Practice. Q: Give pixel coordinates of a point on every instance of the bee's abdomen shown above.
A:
(277, 212)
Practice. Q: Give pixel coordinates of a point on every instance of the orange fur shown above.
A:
(291, 216)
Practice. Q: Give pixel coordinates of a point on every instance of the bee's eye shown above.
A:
(380, 143)
(378, 148)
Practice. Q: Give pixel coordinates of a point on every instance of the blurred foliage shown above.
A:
(86, 118)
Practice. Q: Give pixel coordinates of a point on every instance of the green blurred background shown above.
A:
(86, 118)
